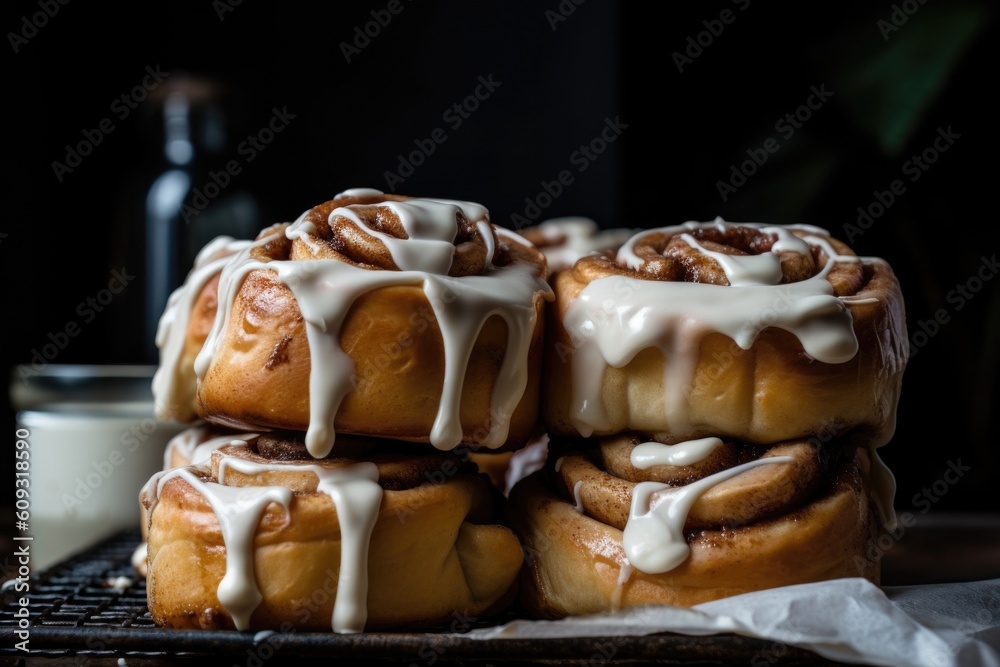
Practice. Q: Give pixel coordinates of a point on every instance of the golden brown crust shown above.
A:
(772, 392)
(259, 376)
(433, 552)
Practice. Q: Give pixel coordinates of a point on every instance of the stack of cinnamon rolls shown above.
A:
(712, 396)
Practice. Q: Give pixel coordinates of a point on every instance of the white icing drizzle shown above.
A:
(326, 289)
(526, 461)
(762, 269)
(239, 510)
(173, 392)
(786, 241)
(675, 316)
(359, 192)
(559, 462)
(431, 228)
(486, 233)
(195, 447)
(357, 496)
(568, 229)
(185, 442)
(859, 300)
(882, 484)
(828, 248)
(624, 574)
(302, 230)
(653, 538)
(576, 495)
(649, 454)
(203, 452)
(509, 235)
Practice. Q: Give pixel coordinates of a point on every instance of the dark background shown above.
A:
(560, 82)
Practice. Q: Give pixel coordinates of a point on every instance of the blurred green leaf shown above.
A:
(888, 73)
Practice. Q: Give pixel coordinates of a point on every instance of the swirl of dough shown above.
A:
(368, 229)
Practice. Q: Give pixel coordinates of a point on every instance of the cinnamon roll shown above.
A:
(381, 315)
(266, 536)
(763, 333)
(623, 521)
(716, 394)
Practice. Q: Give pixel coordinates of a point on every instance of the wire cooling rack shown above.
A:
(91, 609)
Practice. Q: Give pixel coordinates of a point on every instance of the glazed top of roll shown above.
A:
(668, 288)
(363, 240)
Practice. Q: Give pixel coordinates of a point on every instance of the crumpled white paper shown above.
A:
(847, 620)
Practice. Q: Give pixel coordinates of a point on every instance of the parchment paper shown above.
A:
(847, 620)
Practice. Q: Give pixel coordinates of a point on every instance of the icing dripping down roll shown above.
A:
(247, 539)
(355, 493)
(381, 315)
(653, 537)
(238, 512)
